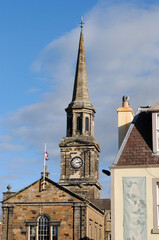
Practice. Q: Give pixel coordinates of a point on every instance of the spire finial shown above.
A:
(81, 23)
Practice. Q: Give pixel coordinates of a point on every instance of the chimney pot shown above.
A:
(125, 101)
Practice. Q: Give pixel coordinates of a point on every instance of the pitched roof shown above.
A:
(103, 204)
(155, 107)
(51, 182)
(136, 148)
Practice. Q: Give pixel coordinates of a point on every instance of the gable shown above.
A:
(138, 148)
(52, 193)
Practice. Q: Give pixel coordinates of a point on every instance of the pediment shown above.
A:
(53, 193)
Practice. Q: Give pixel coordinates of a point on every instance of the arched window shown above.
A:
(79, 125)
(44, 228)
(87, 124)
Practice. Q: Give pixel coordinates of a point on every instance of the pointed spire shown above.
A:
(80, 91)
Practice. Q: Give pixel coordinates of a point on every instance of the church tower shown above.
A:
(79, 149)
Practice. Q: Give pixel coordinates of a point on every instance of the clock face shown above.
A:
(76, 162)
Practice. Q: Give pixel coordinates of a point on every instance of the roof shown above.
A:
(80, 96)
(103, 204)
(52, 182)
(58, 186)
(136, 148)
(155, 107)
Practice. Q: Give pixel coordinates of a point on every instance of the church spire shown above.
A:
(80, 92)
(79, 149)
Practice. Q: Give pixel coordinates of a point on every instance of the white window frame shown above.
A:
(51, 228)
(155, 131)
(32, 225)
(36, 225)
(155, 192)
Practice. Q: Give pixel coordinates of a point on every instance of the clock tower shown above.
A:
(79, 149)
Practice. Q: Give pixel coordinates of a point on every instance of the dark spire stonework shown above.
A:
(80, 96)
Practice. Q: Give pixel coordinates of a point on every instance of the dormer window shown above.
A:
(155, 127)
(155, 132)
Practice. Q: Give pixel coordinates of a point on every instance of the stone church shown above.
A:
(71, 209)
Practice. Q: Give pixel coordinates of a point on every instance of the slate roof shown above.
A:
(137, 145)
(103, 204)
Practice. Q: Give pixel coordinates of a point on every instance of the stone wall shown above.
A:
(63, 208)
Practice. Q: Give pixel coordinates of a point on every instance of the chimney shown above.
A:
(125, 117)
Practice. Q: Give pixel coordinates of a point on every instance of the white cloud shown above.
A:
(122, 54)
(11, 147)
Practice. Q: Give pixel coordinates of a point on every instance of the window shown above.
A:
(69, 126)
(155, 132)
(43, 228)
(54, 232)
(96, 231)
(155, 190)
(87, 124)
(32, 232)
(90, 229)
(79, 125)
(109, 216)
(100, 232)
(109, 236)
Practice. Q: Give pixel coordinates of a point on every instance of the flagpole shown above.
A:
(44, 169)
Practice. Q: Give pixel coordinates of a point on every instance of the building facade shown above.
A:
(66, 210)
(135, 177)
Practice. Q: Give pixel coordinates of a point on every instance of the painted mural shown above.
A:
(134, 208)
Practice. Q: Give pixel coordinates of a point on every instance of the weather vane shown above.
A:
(81, 23)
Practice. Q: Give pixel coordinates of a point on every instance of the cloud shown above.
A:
(122, 55)
(11, 147)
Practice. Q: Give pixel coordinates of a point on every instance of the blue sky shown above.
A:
(39, 43)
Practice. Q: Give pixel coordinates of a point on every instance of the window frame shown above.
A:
(95, 231)
(54, 237)
(155, 132)
(109, 236)
(32, 225)
(90, 228)
(43, 227)
(155, 192)
(52, 224)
